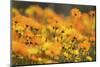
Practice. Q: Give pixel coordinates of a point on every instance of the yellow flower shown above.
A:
(33, 50)
(76, 52)
(66, 54)
(67, 46)
(40, 59)
(52, 49)
(77, 59)
(89, 58)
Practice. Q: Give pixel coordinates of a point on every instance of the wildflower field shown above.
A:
(41, 35)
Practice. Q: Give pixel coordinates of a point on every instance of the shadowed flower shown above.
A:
(49, 13)
(15, 12)
(34, 11)
(92, 13)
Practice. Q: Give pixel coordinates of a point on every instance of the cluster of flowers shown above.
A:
(41, 36)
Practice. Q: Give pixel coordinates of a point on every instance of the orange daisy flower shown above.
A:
(85, 45)
(75, 12)
(20, 49)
